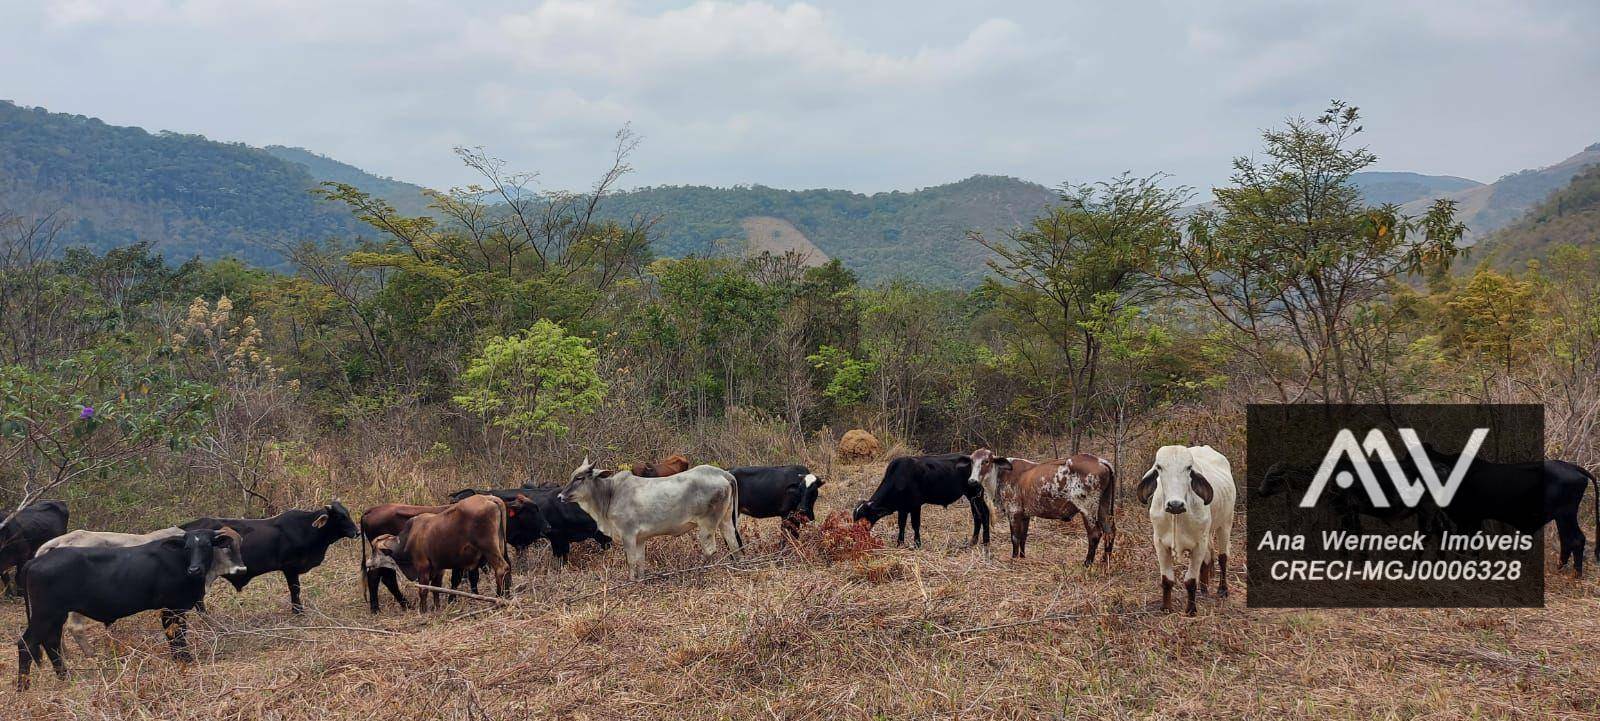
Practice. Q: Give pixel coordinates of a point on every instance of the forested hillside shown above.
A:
(921, 235)
(405, 197)
(192, 196)
(1487, 208)
(1570, 216)
(1380, 187)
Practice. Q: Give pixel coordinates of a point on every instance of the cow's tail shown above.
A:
(362, 572)
(505, 532)
(1596, 484)
(22, 585)
(733, 501)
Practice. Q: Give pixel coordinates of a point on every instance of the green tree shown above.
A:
(1291, 252)
(530, 382)
(1068, 272)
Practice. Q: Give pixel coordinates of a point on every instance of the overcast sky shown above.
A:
(866, 95)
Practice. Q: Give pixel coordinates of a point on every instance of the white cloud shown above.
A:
(898, 93)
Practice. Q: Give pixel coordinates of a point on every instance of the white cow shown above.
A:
(1191, 495)
(224, 560)
(630, 508)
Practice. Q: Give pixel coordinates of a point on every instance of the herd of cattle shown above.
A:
(1190, 494)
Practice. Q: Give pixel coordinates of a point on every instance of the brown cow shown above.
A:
(670, 466)
(1061, 488)
(462, 537)
(385, 519)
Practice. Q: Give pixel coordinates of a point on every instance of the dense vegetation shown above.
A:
(123, 185)
(506, 337)
(1570, 216)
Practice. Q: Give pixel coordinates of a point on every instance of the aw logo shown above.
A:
(1345, 448)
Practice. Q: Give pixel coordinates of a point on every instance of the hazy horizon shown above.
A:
(881, 97)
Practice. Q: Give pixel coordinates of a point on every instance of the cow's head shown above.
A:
(199, 548)
(987, 469)
(868, 511)
(811, 485)
(386, 553)
(228, 558)
(335, 519)
(581, 485)
(463, 493)
(524, 511)
(1173, 484)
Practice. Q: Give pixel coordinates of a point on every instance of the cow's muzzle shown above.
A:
(1176, 507)
(196, 570)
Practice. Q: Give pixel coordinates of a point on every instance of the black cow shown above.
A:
(22, 536)
(1525, 496)
(106, 584)
(912, 481)
(292, 542)
(545, 516)
(785, 492)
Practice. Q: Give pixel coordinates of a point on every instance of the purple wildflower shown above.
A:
(87, 413)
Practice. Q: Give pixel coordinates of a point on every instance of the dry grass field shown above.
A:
(942, 632)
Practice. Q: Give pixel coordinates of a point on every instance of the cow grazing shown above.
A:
(912, 481)
(107, 584)
(1525, 496)
(671, 465)
(291, 543)
(28, 529)
(385, 519)
(1191, 495)
(227, 558)
(631, 509)
(788, 493)
(465, 535)
(535, 512)
(1060, 489)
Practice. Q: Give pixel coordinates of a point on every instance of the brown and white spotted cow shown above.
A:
(1061, 489)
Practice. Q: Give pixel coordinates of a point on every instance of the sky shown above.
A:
(867, 95)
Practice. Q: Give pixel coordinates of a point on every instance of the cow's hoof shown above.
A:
(1222, 592)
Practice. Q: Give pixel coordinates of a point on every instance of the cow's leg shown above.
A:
(900, 540)
(730, 536)
(26, 653)
(633, 549)
(1198, 557)
(393, 584)
(1572, 540)
(1164, 566)
(372, 587)
(916, 527)
(1222, 575)
(78, 628)
(52, 649)
(976, 507)
(500, 569)
(707, 540)
(176, 625)
(559, 551)
(1091, 531)
(1109, 533)
(293, 581)
(1018, 534)
(1205, 577)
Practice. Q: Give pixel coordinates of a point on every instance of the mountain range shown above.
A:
(195, 196)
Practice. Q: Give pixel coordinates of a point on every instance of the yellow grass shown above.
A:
(787, 635)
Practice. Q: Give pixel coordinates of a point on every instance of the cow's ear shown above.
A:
(1201, 486)
(1146, 487)
(221, 540)
(322, 520)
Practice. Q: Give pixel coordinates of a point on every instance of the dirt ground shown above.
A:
(784, 634)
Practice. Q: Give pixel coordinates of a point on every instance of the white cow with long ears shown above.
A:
(1191, 494)
(630, 509)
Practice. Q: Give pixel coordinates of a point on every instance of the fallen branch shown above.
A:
(1041, 619)
(463, 594)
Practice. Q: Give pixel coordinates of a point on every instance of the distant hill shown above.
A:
(1571, 215)
(919, 235)
(1487, 208)
(190, 195)
(1381, 187)
(406, 198)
